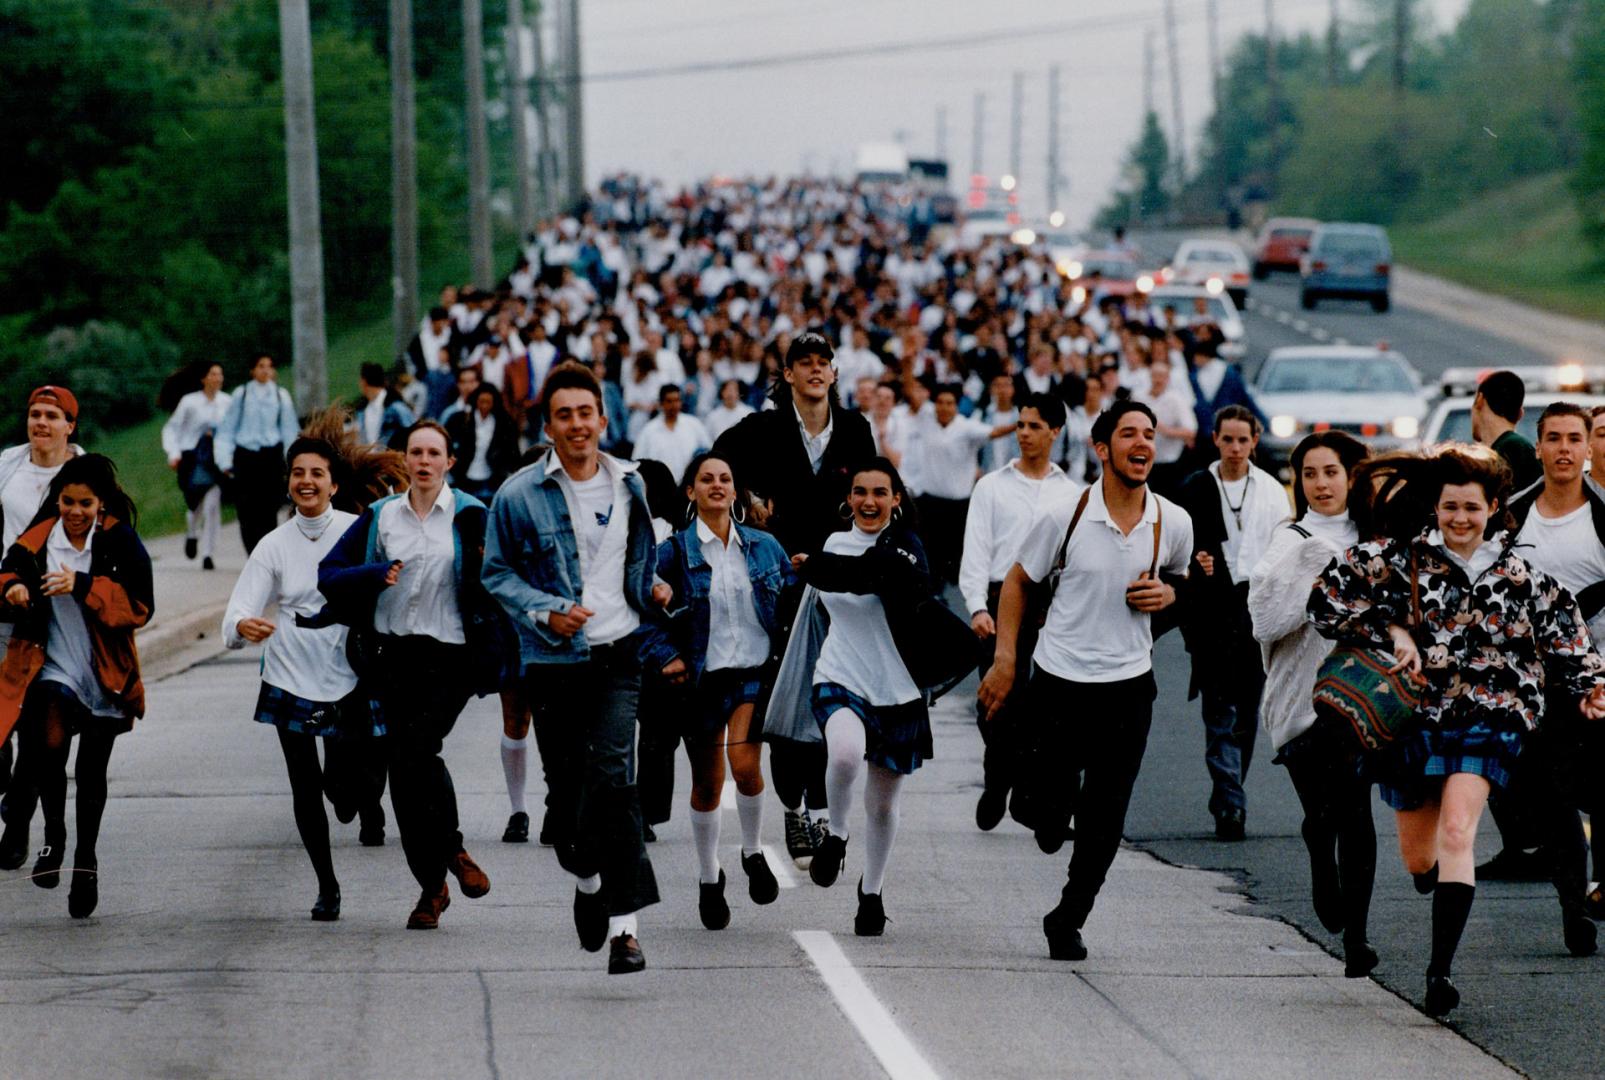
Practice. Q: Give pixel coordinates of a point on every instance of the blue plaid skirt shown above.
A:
(357, 716)
(715, 697)
(896, 737)
(1480, 748)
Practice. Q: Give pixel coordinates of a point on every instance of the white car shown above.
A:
(1217, 265)
(1193, 304)
(1451, 417)
(1371, 393)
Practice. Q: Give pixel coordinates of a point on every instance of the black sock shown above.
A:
(1451, 905)
(1427, 880)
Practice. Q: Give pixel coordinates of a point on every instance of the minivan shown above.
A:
(1349, 261)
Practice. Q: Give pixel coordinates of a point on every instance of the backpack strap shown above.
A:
(1064, 545)
(1159, 521)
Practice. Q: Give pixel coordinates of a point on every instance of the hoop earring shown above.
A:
(897, 512)
(690, 512)
(739, 513)
(844, 512)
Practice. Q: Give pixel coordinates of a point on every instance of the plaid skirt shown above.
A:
(1480, 748)
(896, 737)
(715, 697)
(356, 716)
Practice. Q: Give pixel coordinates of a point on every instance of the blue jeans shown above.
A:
(587, 715)
(1231, 723)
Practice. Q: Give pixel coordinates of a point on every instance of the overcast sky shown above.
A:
(787, 119)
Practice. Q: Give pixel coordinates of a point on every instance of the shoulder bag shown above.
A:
(1356, 686)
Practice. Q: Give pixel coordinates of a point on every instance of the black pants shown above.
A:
(942, 526)
(259, 486)
(423, 691)
(1539, 799)
(798, 773)
(1097, 733)
(1004, 736)
(1337, 815)
(661, 710)
(588, 711)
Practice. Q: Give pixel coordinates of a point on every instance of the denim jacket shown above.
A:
(682, 565)
(532, 559)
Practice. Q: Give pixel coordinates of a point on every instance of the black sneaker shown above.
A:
(590, 920)
(799, 842)
(1359, 959)
(762, 887)
(1229, 825)
(208, 564)
(625, 957)
(828, 860)
(871, 918)
(713, 909)
(1442, 996)
(1064, 940)
(517, 831)
(83, 895)
(818, 829)
(192, 545)
(990, 808)
(1580, 935)
(326, 909)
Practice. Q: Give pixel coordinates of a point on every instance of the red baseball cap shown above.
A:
(58, 396)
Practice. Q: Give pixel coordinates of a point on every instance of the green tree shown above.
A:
(1145, 193)
(1588, 182)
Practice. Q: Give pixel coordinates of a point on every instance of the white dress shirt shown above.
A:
(424, 598)
(721, 419)
(948, 454)
(283, 571)
(736, 639)
(815, 444)
(1002, 507)
(196, 417)
(484, 433)
(675, 446)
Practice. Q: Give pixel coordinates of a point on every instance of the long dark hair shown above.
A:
(98, 473)
(743, 497)
(907, 513)
(363, 472)
(1350, 452)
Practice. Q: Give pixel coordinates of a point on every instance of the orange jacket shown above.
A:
(117, 596)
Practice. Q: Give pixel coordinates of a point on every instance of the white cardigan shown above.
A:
(1278, 590)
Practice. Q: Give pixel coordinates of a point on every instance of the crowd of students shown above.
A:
(702, 470)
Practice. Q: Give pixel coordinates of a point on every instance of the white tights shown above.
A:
(844, 746)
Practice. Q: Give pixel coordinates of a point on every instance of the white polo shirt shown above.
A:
(1090, 634)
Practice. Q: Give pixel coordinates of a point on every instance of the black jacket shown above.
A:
(1591, 599)
(936, 646)
(1214, 619)
(503, 456)
(767, 452)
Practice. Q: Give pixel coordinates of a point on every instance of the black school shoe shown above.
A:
(990, 808)
(762, 887)
(828, 861)
(84, 894)
(1442, 997)
(517, 831)
(1229, 825)
(713, 909)
(326, 909)
(626, 957)
(871, 918)
(1064, 941)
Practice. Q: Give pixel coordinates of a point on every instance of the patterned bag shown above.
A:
(1356, 685)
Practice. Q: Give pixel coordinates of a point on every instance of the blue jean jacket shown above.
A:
(532, 559)
(682, 565)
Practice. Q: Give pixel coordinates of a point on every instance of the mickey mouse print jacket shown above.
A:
(1487, 646)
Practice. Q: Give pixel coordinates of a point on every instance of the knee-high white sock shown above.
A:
(515, 766)
(211, 521)
(590, 886)
(705, 834)
(621, 924)
(749, 808)
(844, 748)
(882, 794)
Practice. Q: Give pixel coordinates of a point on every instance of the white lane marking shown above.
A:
(1301, 326)
(1283, 317)
(897, 1055)
(780, 867)
(1319, 334)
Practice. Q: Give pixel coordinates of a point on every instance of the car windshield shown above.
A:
(1328, 375)
(1291, 234)
(1214, 256)
(1185, 306)
(1109, 268)
(1357, 245)
(1457, 425)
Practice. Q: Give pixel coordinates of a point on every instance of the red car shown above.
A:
(1282, 242)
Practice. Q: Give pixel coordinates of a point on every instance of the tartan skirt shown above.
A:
(356, 716)
(1480, 748)
(896, 737)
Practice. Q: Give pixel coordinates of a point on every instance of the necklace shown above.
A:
(1237, 511)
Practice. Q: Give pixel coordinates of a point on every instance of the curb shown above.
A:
(163, 643)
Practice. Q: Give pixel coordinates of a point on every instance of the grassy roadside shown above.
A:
(1521, 242)
(138, 450)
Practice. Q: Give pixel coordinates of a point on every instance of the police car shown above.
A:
(1371, 392)
(1451, 417)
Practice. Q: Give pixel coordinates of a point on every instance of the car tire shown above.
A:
(1380, 303)
(1239, 297)
(1307, 299)
(1261, 271)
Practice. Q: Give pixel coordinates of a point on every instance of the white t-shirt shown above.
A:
(600, 510)
(858, 652)
(69, 653)
(1090, 634)
(1566, 548)
(24, 493)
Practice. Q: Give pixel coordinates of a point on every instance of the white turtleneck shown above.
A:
(1336, 529)
(283, 572)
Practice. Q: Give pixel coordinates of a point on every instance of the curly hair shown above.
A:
(364, 472)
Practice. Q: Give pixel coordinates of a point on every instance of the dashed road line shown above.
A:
(1283, 317)
(1301, 326)
(896, 1053)
(1319, 334)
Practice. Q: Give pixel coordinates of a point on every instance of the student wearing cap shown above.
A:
(25, 475)
(250, 445)
(189, 441)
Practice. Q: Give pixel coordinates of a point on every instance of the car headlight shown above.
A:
(1284, 427)
(1214, 286)
(1078, 295)
(1405, 427)
(1145, 283)
(1070, 268)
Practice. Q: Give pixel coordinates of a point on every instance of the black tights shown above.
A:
(52, 742)
(1337, 812)
(306, 789)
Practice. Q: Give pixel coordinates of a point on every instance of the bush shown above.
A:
(113, 370)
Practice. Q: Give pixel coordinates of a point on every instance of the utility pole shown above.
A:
(1053, 138)
(574, 127)
(403, 180)
(977, 136)
(1148, 72)
(941, 133)
(1178, 128)
(518, 116)
(1016, 107)
(1333, 63)
(546, 155)
(1212, 19)
(481, 261)
(1401, 43)
(309, 347)
(1272, 106)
